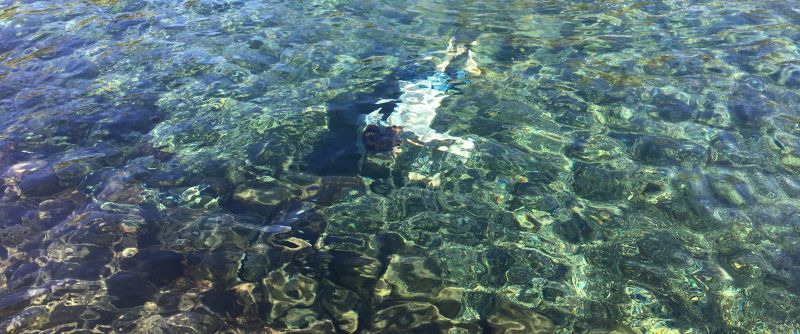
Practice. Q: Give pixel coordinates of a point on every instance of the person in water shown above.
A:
(400, 108)
(456, 49)
(378, 138)
(415, 108)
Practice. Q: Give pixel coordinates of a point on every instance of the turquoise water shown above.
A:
(213, 166)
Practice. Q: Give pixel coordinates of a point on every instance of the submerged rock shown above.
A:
(508, 318)
(416, 317)
(672, 108)
(285, 292)
(14, 235)
(262, 197)
(731, 190)
(411, 278)
(128, 290)
(42, 182)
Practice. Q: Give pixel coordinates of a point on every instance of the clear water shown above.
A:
(197, 167)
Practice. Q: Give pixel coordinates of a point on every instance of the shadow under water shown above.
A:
(339, 152)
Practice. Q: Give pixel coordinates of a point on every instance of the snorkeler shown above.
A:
(398, 109)
(415, 108)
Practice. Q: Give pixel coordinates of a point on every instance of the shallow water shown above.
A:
(196, 167)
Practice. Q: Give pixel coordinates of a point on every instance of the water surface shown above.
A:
(195, 167)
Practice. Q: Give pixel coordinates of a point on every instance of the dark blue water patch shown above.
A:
(748, 113)
(499, 261)
(14, 38)
(370, 10)
(7, 92)
(734, 19)
(471, 106)
(511, 50)
(587, 26)
(662, 150)
(748, 56)
(679, 65)
(790, 185)
(575, 118)
(90, 268)
(94, 234)
(484, 127)
(63, 46)
(603, 91)
(576, 230)
(82, 69)
(788, 75)
(548, 8)
(65, 317)
(128, 290)
(563, 103)
(787, 267)
(207, 7)
(12, 303)
(692, 204)
(52, 212)
(673, 109)
(13, 213)
(155, 266)
(222, 302)
(256, 61)
(127, 25)
(125, 120)
(724, 149)
(598, 183)
(24, 271)
(654, 7)
(40, 183)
